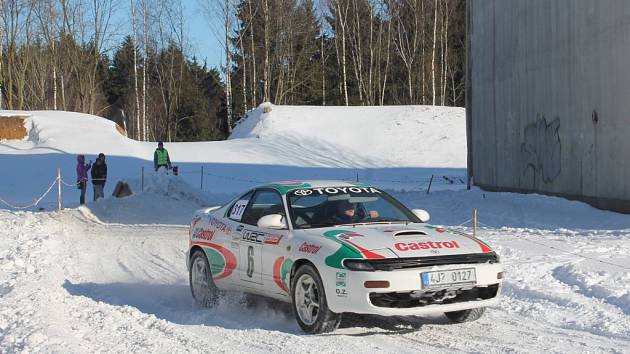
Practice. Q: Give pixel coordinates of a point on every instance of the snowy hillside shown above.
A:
(411, 135)
(110, 276)
(398, 147)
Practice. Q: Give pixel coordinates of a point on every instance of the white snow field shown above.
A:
(110, 276)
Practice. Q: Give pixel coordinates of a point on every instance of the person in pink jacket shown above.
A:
(82, 178)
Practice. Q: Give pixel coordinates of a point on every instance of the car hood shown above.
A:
(411, 240)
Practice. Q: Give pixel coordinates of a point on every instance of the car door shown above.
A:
(276, 265)
(236, 214)
(263, 203)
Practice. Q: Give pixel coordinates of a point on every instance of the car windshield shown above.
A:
(330, 206)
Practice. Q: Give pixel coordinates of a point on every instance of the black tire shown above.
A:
(465, 315)
(206, 293)
(323, 320)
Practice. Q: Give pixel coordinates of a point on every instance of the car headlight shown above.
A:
(360, 265)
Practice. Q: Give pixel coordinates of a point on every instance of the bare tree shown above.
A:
(266, 65)
(435, 20)
(1, 52)
(138, 128)
(342, 20)
(253, 54)
(145, 45)
(220, 14)
(407, 41)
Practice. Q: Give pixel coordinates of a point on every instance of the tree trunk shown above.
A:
(145, 45)
(323, 72)
(253, 58)
(342, 22)
(138, 129)
(228, 71)
(433, 54)
(266, 65)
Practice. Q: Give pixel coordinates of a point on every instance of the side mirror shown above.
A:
(272, 221)
(422, 214)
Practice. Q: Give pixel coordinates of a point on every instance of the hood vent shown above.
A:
(408, 233)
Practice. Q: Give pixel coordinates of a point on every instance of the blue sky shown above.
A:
(204, 43)
(201, 41)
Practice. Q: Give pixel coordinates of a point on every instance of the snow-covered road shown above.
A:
(70, 284)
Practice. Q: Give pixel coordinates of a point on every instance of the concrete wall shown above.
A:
(549, 98)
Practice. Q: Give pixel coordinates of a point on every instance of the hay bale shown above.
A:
(121, 130)
(12, 127)
(122, 190)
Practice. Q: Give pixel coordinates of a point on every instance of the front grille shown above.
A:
(389, 264)
(411, 299)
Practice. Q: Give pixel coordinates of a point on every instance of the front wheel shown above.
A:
(202, 287)
(465, 315)
(309, 302)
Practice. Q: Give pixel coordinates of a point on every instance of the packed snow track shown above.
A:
(71, 284)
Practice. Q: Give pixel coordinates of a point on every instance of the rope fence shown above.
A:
(36, 200)
(422, 183)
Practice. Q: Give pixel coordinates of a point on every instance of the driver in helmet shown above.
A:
(347, 213)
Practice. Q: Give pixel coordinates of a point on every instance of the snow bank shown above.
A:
(394, 147)
(401, 135)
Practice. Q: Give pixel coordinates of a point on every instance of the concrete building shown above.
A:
(548, 98)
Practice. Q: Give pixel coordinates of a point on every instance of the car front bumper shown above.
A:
(346, 291)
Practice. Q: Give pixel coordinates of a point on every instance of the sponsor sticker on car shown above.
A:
(341, 283)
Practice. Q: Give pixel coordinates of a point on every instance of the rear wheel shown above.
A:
(465, 315)
(202, 287)
(309, 302)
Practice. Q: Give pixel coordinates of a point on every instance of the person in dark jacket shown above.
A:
(99, 176)
(161, 158)
(82, 178)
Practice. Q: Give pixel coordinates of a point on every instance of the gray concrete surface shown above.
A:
(549, 98)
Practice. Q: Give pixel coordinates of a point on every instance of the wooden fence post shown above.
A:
(59, 189)
(430, 182)
(475, 222)
(201, 177)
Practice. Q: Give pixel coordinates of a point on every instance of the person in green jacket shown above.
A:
(161, 158)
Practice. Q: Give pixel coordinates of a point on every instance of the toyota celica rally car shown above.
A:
(330, 247)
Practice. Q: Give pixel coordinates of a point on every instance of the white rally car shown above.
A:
(331, 247)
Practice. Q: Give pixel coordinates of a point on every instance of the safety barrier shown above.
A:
(423, 183)
(36, 200)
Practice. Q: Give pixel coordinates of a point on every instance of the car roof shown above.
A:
(285, 186)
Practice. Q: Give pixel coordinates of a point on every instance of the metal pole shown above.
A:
(475, 222)
(430, 182)
(201, 177)
(59, 189)
(357, 176)
(142, 180)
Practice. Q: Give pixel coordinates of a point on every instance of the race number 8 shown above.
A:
(250, 261)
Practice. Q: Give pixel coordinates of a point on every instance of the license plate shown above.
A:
(446, 278)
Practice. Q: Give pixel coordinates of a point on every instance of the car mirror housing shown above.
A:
(272, 221)
(422, 214)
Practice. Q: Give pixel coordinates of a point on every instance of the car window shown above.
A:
(265, 202)
(324, 207)
(239, 206)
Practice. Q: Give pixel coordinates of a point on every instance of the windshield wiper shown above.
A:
(321, 224)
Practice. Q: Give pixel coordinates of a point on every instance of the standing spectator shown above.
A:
(82, 178)
(99, 176)
(161, 158)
